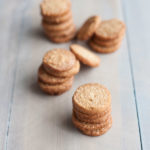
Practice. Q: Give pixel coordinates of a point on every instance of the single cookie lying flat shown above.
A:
(104, 49)
(55, 7)
(57, 27)
(97, 132)
(56, 89)
(108, 43)
(59, 60)
(74, 70)
(63, 33)
(62, 39)
(110, 29)
(89, 126)
(58, 19)
(91, 116)
(49, 79)
(88, 28)
(93, 121)
(92, 98)
(85, 56)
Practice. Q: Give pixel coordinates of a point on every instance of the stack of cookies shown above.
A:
(92, 109)
(108, 36)
(57, 20)
(56, 74)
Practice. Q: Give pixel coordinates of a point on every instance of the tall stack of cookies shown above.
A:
(56, 74)
(92, 109)
(57, 20)
(108, 36)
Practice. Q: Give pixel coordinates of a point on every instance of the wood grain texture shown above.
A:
(139, 49)
(8, 55)
(38, 121)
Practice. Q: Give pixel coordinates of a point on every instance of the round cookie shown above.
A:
(56, 89)
(63, 33)
(54, 8)
(59, 60)
(110, 29)
(49, 79)
(69, 73)
(107, 43)
(92, 98)
(57, 27)
(97, 132)
(89, 126)
(92, 117)
(85, 56)
(62, 39)
(93, 121)
(59, 19)
(104, 49)
(88, 28)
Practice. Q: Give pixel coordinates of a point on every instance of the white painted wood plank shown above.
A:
(8, 54)
(139, 37)
(39, 121)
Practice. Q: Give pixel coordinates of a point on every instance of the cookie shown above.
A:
(104, 49)
(49, 79)
(97, 132)
(58, 19)
(69, 73)
(56, 89)
(108, 43)
(88, 126)
(85, 56)
(110, 29)
(57, 27)
(93, 121)
(62, 39)
(92, 117)
(88, 28)
(62, 33)
(59, 60)
(92, 98)
(54, 8)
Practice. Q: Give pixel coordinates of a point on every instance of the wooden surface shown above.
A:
(31, 120)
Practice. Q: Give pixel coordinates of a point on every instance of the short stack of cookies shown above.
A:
(108, 36)
(56, 74)
(92, 109)
(57, 20)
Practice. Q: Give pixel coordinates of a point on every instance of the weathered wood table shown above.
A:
(32, 120)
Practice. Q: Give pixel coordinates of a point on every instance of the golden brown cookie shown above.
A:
(63, 33)
(49, 79)
(58, 19)
(89, 126)
(88, 28)
(110, 29)
(97, 132)
(57, 27)
(56, 89)
(62, 39)
(54, 8)
(91, 116)
(59, 60)
(85, 56)
(69, 73)
(93, 121)
(107, 43)
(104, 49)
(92, 98)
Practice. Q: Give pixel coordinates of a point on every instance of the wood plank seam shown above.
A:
(132, 73)
(14, 72)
